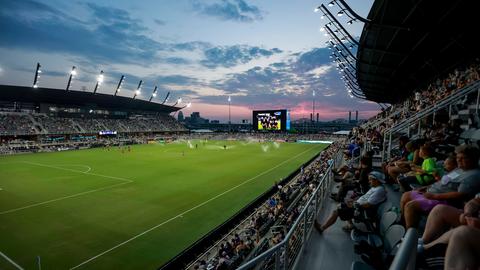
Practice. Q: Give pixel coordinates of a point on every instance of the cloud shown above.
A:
(288, 84)
(107, 35)
(160, 22)
(177, 61)
(229, 56)
(230, 10)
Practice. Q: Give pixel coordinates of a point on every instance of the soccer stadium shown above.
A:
(107, 163)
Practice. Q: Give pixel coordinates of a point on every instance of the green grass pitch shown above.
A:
(104, 209)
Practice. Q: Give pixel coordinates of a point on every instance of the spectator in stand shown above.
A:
(403, 166)
(422, 175)
(361, 183)
(463, 241)
(392, 170)
(369, 201)
(420, 201)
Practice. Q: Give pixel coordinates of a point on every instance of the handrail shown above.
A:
(407, 253)
(303, 215)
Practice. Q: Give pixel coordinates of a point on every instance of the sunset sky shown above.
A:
(265, 54)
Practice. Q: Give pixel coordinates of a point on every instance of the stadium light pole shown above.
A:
(229, 114)
(313, 106)
(166, 98)
(119, 86)
(179, 100)
(154, 94)
(73, 73)
(37, 75)
(139, 89)
(99, 81)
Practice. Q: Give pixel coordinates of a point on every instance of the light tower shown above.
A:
(73, 73)
(139, 89)
(229, 114)
(99, 81)
(37, 75)
(154, 93)
(119, 86)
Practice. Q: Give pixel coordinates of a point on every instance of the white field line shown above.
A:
(187, 211)
(77, 171)
(125, 181)
(61, 198)
(11, 261)
(77, 165)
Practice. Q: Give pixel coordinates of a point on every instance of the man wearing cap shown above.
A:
(374, 196)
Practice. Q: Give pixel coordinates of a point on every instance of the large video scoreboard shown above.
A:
(271, 120)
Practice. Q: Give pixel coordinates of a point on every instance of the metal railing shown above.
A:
(286, 254)
(407, 253)
(453, 98)
(431, 110)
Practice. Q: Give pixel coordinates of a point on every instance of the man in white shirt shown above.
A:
(345, 211)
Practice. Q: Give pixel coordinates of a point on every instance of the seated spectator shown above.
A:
(463, 251)
(415, 203)
(361, 183)
(374, 196)
(405, 165)
(424, 175)
(444, 217)
(462, 241)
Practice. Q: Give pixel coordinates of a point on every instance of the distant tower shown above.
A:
(349, 116)
(356, 116)
(318, 117)
(180, 116)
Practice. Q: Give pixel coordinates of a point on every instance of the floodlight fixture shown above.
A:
(166, 98)
(73, 73)
(331, 4)
(154, 93)
(337, 24)
(340, 13)
(119, 86)
(37, 75)
(189, 105)
(100, 79)
(139, 88)
(317, 9)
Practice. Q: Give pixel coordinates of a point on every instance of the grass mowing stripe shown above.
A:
(11, 261)
(189, 210)
(62, 198)
(126, 181)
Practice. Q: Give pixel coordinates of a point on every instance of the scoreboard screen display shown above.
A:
(272, 120)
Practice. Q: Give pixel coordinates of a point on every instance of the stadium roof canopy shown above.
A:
(408, 44)
(80, 99)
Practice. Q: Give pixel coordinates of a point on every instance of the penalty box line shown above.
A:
(11, 261)
(189, 210)
(124, 182)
